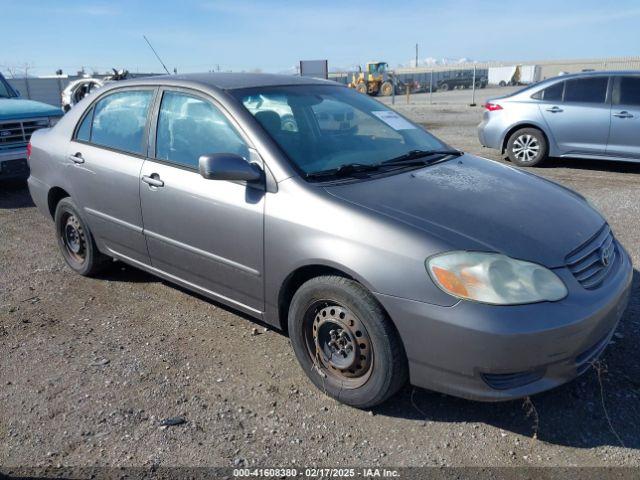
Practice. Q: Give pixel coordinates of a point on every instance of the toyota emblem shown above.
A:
(605, 256)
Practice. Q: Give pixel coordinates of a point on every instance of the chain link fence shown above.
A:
(478, 75)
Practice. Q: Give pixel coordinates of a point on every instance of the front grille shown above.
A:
(593, 261)
(506, 381)
(17, 133)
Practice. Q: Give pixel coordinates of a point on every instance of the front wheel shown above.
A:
(527, 147)
(444, 87)
(361, 88)
(345, 343)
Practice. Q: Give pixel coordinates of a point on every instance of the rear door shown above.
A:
(624, 140)
(207, 233)
(578, 113)
(104, 161)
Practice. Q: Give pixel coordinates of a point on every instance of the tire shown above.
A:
(336, 309)
(444, 87)
(502, 83)
(361, 88)
(527, 147)
(75, 240)
(386, 89)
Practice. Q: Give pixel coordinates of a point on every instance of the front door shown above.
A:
(105, 158)
(624, 140)
(206, 233)
(579, 123)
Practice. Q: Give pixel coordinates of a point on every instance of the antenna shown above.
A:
(156, 54)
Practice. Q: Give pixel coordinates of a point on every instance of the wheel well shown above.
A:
(295, 280)
(505, 140)
(55, 195)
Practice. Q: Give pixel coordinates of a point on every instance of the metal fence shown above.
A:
(474, 75)
(45, 90)
(49, 89)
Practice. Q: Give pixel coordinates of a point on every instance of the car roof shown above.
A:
(561, 78)
(597, 73)
(229, 81)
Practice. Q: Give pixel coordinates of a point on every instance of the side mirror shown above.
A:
(228, 166)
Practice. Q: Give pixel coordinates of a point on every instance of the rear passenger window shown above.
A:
(586, 90)
(84, 131)
(629, 91)
(189, 127)
(552, 93)
(119, 120)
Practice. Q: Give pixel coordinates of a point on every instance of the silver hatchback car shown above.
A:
(383, 252)
(593, 115)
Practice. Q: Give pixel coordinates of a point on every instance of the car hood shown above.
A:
(471, 203)
(18, 108)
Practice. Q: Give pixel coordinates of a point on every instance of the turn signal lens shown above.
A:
(494, 278)
(450, 281)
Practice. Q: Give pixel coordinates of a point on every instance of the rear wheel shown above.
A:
(345, 343)
(444, 87)
(527, 147)
(76, 241)
(386, 89)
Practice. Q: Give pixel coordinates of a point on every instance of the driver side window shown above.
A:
(189, 126)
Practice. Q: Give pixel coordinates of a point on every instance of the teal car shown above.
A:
(19, 118)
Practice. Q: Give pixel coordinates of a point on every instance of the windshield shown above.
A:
(5, 90)
(327, 127)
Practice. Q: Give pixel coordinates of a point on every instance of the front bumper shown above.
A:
(493, 353)
(13, 164)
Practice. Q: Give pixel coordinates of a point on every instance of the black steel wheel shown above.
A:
(345, 342)
(76, 241)
(338, 342)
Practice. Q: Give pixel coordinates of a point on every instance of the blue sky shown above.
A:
(197, 35)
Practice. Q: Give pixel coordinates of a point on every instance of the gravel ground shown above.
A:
(90, 367)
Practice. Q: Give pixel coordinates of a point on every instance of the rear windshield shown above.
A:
(325, 127)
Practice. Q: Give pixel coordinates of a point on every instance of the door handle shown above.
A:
(554, 110)
(153, 180)
(76, 158)
(623, 114)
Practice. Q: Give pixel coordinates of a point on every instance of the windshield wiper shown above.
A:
(412, 158)
(417, 154)
(344, 170)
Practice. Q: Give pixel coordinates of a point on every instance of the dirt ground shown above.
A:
(90, 367)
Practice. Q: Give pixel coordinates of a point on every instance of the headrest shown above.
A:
(270, 120)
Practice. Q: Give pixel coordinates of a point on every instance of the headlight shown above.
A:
(494, 278)
(53, 121)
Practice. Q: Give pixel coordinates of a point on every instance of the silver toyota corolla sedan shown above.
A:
(593, 115)
(386, 254)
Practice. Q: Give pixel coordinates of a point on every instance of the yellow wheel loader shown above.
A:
(376, 80)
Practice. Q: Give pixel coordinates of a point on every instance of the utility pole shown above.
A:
(416, 65)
